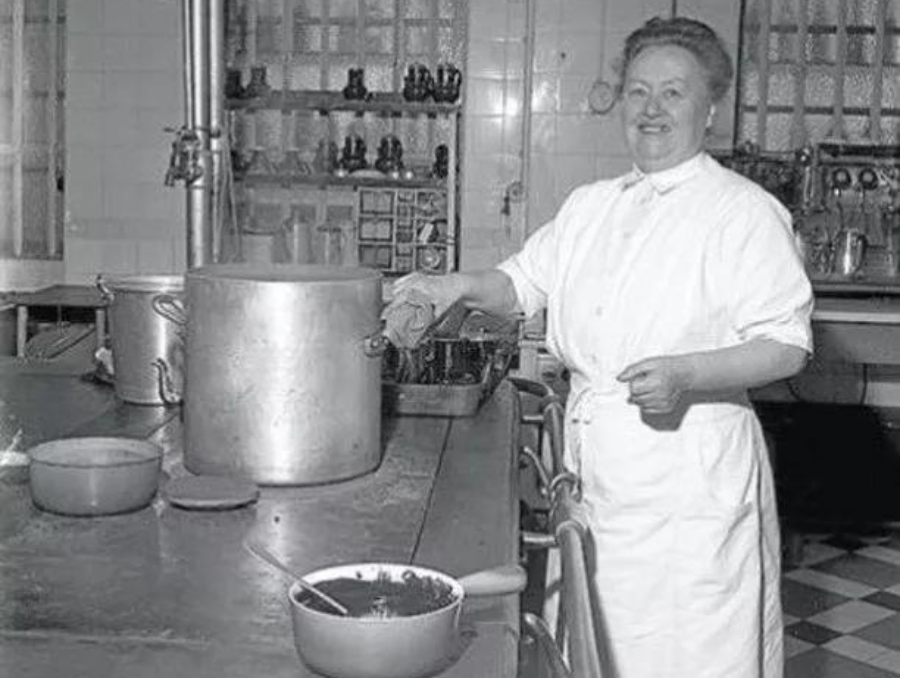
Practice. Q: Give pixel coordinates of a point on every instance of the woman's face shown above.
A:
(666, 107)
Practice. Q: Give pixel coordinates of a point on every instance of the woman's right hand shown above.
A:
(441, 290)
(418, 299)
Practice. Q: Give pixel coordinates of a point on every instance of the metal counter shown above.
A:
(169, 592)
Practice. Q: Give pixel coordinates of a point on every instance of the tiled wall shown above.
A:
(124, 87)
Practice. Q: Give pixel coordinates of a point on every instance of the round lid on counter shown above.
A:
(210, 493)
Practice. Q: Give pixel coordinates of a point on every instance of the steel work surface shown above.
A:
(169, 592)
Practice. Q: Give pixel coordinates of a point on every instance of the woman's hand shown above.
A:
(441, 290)
(417, 301)
(656, 385)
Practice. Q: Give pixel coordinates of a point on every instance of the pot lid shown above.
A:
(210, 493)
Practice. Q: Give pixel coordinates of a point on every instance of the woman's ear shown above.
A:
(711, 116)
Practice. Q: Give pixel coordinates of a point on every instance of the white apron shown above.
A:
(681, 509)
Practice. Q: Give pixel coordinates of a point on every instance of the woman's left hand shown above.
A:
(656, 385)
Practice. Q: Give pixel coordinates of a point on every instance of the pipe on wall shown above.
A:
(198, 73)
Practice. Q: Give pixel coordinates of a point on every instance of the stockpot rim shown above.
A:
(307, 274)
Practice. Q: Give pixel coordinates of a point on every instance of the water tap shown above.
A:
(184, 160)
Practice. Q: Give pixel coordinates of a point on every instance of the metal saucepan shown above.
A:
(404, 623)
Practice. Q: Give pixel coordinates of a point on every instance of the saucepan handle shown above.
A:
(496, 581)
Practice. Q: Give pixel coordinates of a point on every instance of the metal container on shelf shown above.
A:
(282, 372)
(139, 336)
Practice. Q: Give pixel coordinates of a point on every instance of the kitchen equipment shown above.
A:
(453, 369)
(447, 82)
(282, 372)
(417, 83)
(94, 476)
(356, 86)
(266, 556)
(850, 251)
(385, 646)
(139, 336)
(297, 238)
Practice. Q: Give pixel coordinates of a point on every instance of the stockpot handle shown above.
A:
(374, 345)
(171, 308)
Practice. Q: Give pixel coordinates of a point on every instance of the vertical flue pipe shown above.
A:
(199, 189)
(218, 141)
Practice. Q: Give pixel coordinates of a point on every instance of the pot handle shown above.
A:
(167, 391)
(104, 289)
(171, 308)
(375, 344)
(496, 581)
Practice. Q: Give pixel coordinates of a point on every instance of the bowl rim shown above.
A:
(351, 569)
(45, 454)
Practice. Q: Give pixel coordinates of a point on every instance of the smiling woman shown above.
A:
(672, 75)
(669, 292)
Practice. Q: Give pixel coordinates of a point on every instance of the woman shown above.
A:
(669, 292)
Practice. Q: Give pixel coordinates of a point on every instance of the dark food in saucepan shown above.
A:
(382, 597)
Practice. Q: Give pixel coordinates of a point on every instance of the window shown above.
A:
(819, 70)
(32, 82)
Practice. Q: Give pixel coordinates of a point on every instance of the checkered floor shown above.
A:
(841, 599)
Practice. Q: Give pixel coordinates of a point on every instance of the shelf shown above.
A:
(326, 180)
(326, 101)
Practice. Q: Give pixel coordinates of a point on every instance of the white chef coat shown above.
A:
(681, 508)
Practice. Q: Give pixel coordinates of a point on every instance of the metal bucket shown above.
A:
(282, 378)
(138, 335)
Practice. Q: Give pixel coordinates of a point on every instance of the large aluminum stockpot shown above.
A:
(138, 335)
(282, 372)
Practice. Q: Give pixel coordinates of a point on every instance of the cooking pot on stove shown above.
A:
(282, 378)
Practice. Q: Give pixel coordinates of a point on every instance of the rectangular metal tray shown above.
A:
(436, 400)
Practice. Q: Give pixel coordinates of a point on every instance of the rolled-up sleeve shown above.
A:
(534, 268)
(761, 274)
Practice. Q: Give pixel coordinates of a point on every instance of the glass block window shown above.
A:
(310, 44)
(32, 84)
(819, 70)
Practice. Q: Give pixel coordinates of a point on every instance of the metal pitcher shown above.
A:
(850, 251)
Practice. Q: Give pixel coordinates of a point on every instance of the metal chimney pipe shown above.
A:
(219, 142)
(199, 188)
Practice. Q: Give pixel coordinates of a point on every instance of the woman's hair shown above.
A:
(694, 36)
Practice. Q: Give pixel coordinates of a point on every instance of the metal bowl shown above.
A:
(94, 476)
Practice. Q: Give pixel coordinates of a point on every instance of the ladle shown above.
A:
(263, 554)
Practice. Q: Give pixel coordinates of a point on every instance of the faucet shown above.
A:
(184, 161)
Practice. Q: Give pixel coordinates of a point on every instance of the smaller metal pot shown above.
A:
(94, 476)
(373, 646)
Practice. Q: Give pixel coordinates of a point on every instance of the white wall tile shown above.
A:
(121, 16)
(582, 50)
(85, 16)
(159, 17)
(155, 256)
(84, 52)
(84, 89)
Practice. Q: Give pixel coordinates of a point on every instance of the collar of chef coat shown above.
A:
(666, 180)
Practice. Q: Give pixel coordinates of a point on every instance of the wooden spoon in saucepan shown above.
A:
(263, 554)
